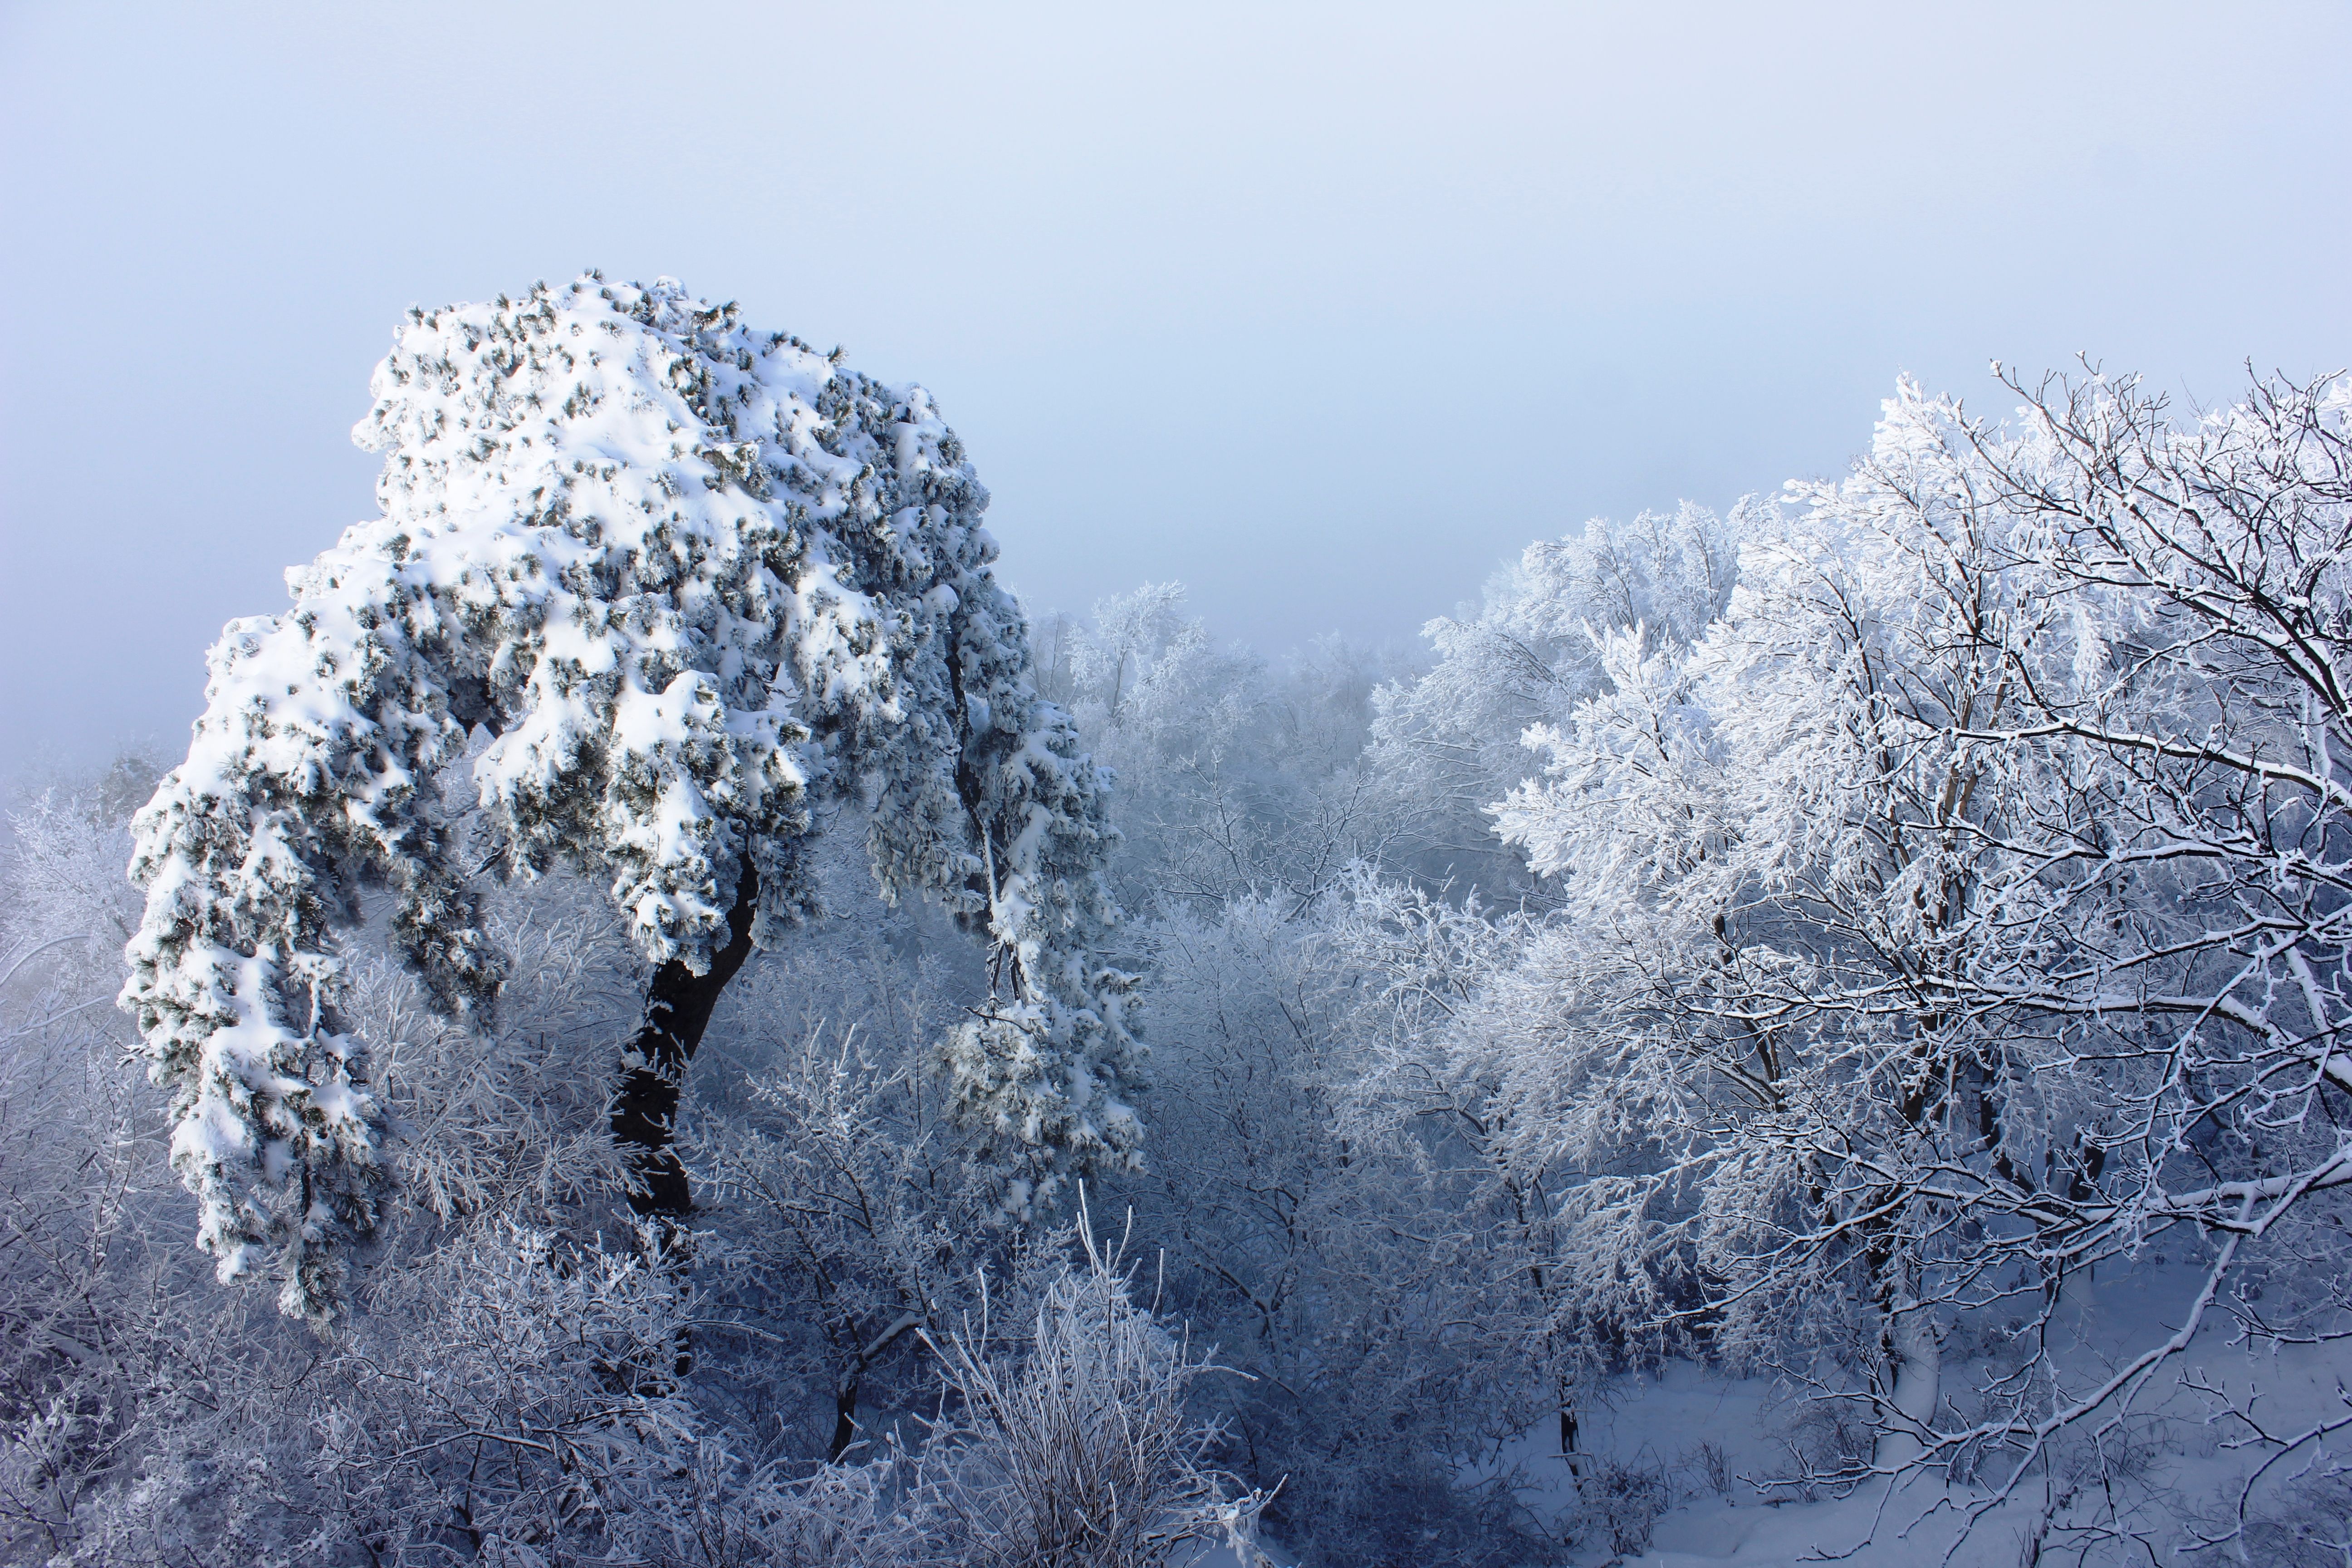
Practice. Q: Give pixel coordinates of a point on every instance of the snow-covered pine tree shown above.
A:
(689, 581)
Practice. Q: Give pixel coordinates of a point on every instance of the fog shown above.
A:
(1322, 311)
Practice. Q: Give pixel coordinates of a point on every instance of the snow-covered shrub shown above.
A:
(1712, 1466)
(511, 1398)
(96, 1323)
(507, 1122)
(860, 1515)
(1617, 1502)
(538, 1410)
(1077, 1447)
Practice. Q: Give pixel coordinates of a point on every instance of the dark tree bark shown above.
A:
(845, 1420)
(677, 1009)
(844, 1399)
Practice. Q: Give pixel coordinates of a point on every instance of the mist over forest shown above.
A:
(681, 1023)
(1262, 787)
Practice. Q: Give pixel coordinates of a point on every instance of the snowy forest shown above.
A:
(665, 1016)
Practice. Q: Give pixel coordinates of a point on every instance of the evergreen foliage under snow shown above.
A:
(696, 581)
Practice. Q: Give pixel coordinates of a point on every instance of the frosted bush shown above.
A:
(1078, 1448)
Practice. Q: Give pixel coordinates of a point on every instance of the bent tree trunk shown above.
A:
(653, 1066)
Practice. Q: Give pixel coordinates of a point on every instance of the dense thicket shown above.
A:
(1822, 944)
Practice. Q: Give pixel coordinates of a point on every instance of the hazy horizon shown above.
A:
(1324, 313)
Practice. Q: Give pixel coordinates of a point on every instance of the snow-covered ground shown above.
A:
(2175, 1465)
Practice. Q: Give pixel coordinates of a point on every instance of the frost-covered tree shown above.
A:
(1768, 872)
(684, 583)
(1323, 1250)
(1236, 775)
(845, 1210)
(85, 1298)
(1447, 742)
(1965, 909)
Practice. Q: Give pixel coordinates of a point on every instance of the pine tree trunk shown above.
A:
(653, 1067)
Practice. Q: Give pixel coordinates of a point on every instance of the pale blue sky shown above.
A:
(1322, 310)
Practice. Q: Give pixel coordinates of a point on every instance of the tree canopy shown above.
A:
(653, 587)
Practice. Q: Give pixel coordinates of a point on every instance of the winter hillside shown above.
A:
(664, 1018)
